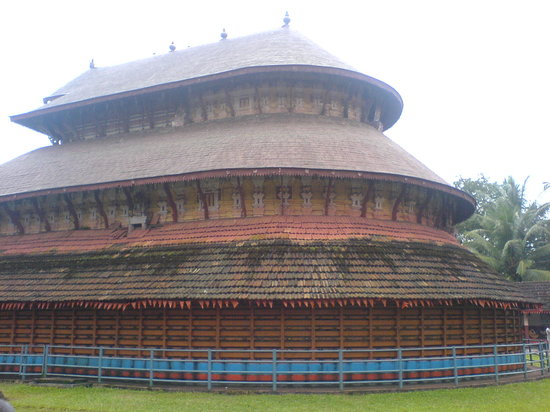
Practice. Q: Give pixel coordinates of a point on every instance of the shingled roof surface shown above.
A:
(297, 228)
(251, 142)
(539, 291)
(282, 47)
(258, 270)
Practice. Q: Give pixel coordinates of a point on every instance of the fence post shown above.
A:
(524, 361)
(45, 354)
(340, 369)
(151, 373)
(23, 361)
(400, 366)
(209, 369)
(495, 352)
(455, 366)
(274, 371)
(100, 364)
(541, 359)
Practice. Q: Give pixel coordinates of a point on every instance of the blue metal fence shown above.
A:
(277, 367)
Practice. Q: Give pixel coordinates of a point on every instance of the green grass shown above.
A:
(524, 397)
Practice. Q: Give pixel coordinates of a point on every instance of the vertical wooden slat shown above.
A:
(33, 326)
(52, 327)
(164, 328)
(13, 326)
(445, 327)
(371, 331)
(94, 336)
(341, 326)
(73, 327)
(218, 331)
(506, 326)
(190, 328)
(495, 338)
(313, 337)
(422, 329)
(398, 326)
(283, 326)
(251, 327)
(117, 327)
(140, 328)
(464, 328)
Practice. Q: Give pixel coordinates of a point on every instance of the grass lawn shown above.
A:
(529, 396)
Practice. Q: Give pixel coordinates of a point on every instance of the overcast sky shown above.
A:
(474, 75)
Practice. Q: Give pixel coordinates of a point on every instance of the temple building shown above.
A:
(238, 195)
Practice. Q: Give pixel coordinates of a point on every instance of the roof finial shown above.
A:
(286, 20)
(92, 64)
(223, 34)
(172, 47)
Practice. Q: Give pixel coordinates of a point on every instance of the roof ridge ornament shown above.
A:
(223, 34)
(286, 20)
(172, 47)
(92, 64)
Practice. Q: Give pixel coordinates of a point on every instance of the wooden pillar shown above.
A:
(398, 202)
(190, 328)
(506, 326)
(170, 199)
(117, 327)
(327, 196)
(366, 198)
(481, 337)
(464, 328)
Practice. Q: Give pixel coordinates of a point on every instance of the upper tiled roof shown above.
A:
(279, 48)
(266, 141)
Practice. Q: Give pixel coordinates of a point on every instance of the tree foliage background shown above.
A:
(507, 231)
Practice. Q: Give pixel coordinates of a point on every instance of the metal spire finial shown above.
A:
(286, 20)
(223, 34)
(92, 64)
(172, 47)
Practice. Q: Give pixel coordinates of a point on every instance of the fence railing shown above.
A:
(274, 368)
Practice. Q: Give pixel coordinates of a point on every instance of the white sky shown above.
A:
(474, 75)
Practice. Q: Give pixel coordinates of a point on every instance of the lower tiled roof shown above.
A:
(270, 269)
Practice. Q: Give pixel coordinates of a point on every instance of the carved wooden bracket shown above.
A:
(40, 212)
(101, 209)
(72, 211)
(14, 218)
(170, 199)
(203, 200)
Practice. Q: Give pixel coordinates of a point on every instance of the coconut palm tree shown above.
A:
(513, 236)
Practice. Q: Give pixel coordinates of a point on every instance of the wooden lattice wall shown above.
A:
(252, 327)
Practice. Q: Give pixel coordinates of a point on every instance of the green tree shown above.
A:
(507, 232)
